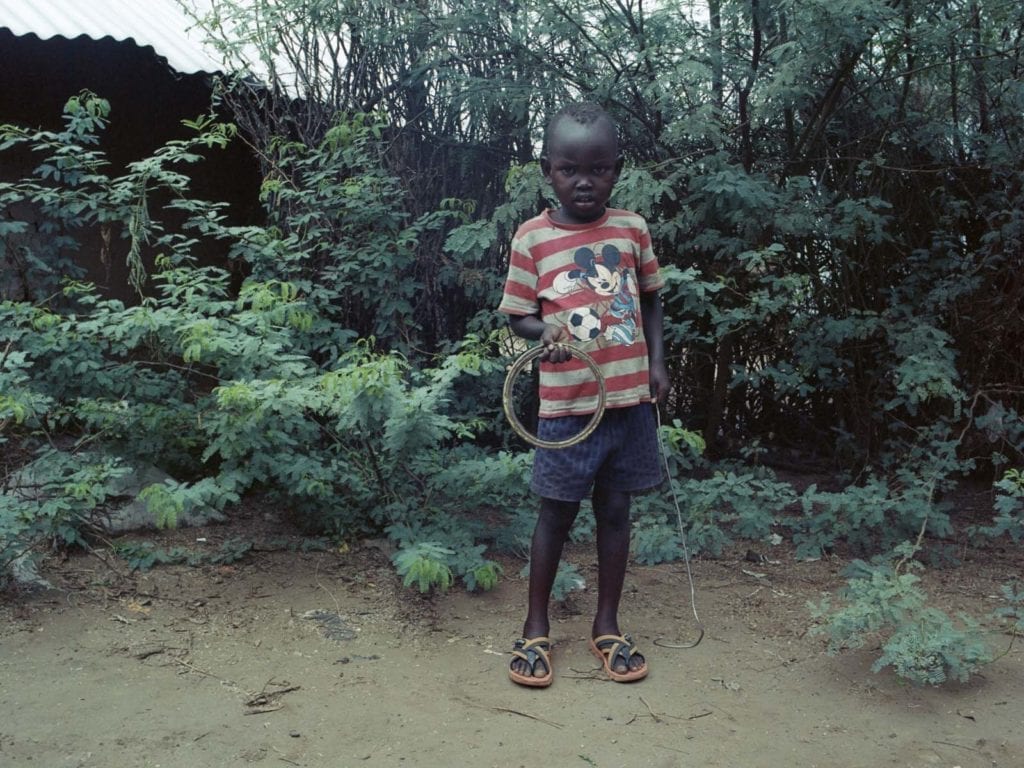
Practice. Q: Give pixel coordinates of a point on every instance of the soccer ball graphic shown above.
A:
(585, 324)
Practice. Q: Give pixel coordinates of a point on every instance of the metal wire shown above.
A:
(686, 550)
(509, 407)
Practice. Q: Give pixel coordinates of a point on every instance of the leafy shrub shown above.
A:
(655, 540)
(54, 498)
(1013, 611)
(460, 555)
(425, 564)
(268, 390)
(144, 555)
(931, 649)
(731, 503)
(1009, 508)
(865, 516)
(921, 643)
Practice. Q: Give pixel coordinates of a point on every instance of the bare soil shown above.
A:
(323, 659)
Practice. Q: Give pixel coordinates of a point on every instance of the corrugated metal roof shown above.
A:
(159, 24)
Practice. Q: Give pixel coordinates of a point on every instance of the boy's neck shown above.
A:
(558, 216)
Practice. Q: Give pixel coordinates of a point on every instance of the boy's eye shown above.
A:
(569, 170)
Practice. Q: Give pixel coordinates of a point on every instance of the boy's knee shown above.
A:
(558, 514)
(611, 508)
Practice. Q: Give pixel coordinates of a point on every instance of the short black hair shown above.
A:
(581, 112)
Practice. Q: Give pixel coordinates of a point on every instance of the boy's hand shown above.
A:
(553, 339)
(660, 383)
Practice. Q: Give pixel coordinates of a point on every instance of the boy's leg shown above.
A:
(553, 525)
(611, 513)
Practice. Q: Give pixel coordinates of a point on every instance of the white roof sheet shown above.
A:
(160, 24)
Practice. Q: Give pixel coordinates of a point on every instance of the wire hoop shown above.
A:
(517, 426)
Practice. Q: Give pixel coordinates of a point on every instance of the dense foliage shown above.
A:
(836, 194)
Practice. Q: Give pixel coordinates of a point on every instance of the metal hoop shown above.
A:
(510, 414)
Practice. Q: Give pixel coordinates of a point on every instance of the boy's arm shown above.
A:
(532, 327)
(653, 320)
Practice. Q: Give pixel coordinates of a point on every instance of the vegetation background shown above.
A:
(835, 190)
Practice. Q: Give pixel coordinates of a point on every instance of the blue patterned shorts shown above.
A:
(620, 455)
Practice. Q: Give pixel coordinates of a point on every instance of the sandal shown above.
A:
(533, 652)
(611, 649)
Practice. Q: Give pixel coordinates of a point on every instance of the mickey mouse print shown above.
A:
(610, 315)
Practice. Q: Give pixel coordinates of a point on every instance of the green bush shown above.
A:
(267, 391)
(55, 498)
(920, 643)
(1009, 508)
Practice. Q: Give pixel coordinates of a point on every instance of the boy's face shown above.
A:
(582, 165)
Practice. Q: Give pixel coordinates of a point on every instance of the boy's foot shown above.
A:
(622, 662)
(531, 662)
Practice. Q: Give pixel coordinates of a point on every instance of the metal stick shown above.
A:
(686, 550)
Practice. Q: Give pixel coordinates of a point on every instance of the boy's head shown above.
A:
(581, 161)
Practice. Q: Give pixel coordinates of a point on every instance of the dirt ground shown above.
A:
(322, 659)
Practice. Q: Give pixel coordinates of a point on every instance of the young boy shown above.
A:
(586, 274)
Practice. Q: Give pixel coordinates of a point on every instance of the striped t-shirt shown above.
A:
(587, 278)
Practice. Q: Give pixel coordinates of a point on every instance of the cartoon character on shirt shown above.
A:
(612, 316)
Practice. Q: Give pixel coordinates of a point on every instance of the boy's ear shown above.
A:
(545, 166)
(619, 162)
